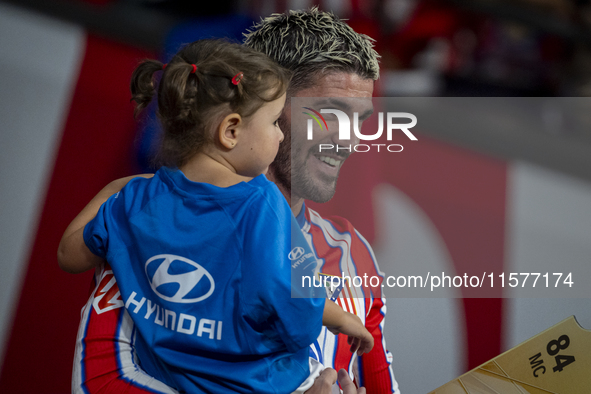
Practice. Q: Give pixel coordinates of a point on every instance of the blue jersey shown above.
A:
(204, 273)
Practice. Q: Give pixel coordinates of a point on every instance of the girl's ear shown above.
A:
(229, 130)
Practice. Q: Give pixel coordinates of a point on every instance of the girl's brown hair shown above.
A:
(190, 102)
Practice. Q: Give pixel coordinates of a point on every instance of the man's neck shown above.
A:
(296, 207)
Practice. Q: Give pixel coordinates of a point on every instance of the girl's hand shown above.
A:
(360, 340)
(340, 322)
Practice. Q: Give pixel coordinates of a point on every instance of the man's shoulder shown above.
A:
(337, 228)
(341, 247)
(333, 222)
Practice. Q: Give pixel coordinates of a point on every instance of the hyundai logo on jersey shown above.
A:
(296, 253)
(178, 279)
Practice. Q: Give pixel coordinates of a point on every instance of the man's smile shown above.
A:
(330, 161)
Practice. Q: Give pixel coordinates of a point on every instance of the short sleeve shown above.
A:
(267, 274)
(96, 235)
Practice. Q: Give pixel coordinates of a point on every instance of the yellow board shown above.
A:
(556, 361)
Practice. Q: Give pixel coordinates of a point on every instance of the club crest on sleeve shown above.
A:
(333, 288)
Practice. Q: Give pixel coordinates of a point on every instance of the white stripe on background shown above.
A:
(39, 64)
(548, 228)
(428, 332)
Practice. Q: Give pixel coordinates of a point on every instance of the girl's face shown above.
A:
(260, 139)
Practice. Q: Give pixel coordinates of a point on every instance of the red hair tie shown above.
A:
(194, 69)
(164, 66)
(237, 78)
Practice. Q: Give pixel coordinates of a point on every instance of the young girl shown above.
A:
(202, 251)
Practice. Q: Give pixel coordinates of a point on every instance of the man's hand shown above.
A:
(347, 384)
(323, 383)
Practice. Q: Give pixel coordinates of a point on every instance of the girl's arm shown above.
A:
(73, 255)
(338, 321)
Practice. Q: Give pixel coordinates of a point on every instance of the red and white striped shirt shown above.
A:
(342, 251)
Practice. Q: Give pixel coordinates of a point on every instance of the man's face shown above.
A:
(299, 167)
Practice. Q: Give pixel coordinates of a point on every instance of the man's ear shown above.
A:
(229, 129)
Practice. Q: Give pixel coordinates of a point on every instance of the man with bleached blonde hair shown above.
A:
(328, 59)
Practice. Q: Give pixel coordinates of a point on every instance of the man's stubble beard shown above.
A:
(289, 171)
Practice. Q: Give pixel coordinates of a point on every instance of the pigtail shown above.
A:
(177, 96)
(201, 83)
(180, 112)
(143, 85)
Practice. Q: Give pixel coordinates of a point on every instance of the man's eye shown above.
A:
(276, 123)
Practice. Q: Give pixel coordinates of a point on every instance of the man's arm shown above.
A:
(73, 255)
(375, 368)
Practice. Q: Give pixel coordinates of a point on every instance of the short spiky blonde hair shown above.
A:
(309, 42)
